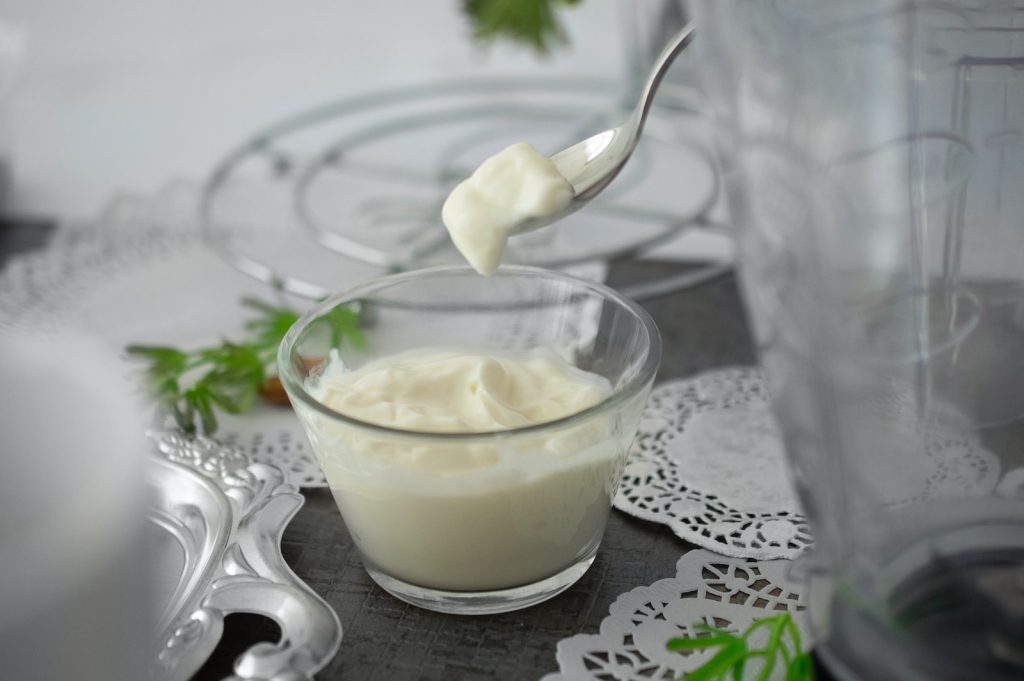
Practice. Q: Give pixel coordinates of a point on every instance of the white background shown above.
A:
(123, 95)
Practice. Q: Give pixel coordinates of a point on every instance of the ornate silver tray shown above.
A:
(216, 521)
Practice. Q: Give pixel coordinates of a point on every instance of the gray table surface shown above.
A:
(702, 328)
(384, 638)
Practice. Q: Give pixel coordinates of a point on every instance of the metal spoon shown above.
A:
(592, 164)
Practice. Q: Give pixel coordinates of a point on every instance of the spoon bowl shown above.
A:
(591, 165)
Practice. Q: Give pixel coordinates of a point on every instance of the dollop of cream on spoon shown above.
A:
(515, 185)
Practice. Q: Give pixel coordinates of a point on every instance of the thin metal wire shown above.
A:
(219, 236)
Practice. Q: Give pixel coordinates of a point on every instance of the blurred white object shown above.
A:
(71, 502)
(12, 50)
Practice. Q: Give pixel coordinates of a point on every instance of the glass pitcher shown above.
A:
(874, 159)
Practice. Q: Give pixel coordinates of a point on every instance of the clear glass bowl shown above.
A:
(512, 517)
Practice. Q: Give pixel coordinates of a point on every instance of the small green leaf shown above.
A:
(198, 400)
(778, 625)
(344, 325)
(273, 323)
(794, 633)
(156, 352)
(182, 415)
(258, 305)
(531, 22)
(699, 643)
(801, 669)
(735, 653)
(738, 667)
(164, 363)
(235, 378)
(230, 374)
(720, 663)
(165, 388)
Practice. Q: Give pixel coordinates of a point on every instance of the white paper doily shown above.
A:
(1012, 484)
(728, 593)
(141, 273)
(708, 462)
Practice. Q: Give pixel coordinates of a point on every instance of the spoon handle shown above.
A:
(664, 60)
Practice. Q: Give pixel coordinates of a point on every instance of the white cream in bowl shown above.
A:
(468, 513)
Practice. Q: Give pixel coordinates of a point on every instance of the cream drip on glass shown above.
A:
(514, 185)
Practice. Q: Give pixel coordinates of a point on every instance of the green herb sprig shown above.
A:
(531, 22)
(736, 651)
(191, 385)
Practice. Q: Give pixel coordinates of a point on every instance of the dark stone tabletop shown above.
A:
(702, 328)
(385, 639)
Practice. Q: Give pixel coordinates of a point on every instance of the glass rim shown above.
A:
(294, 384)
